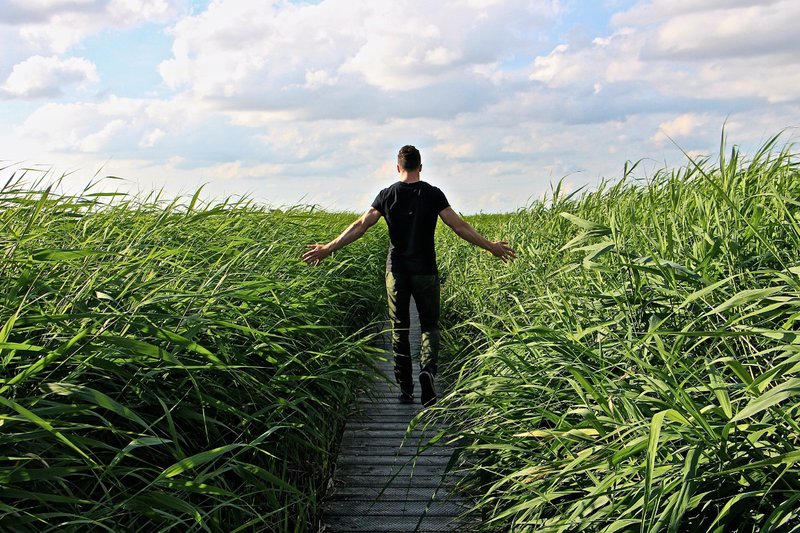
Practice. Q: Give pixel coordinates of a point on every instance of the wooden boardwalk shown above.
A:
(384, 481)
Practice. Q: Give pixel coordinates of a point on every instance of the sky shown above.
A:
(307, 102)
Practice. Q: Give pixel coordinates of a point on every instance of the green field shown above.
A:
(172, 365)
(638, 369)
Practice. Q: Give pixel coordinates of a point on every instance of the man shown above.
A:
(411, 208)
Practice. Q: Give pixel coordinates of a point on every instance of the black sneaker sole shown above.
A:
(428, 390)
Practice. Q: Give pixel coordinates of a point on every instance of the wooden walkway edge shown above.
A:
(386, 478)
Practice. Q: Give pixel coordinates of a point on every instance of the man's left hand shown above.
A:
(316, 253)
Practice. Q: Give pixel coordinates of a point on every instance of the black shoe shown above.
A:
(404, 397)
(428, 388)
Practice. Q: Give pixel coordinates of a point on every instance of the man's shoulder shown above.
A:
(430, 186)
(391, 188)
(386, 190)
(436, 193)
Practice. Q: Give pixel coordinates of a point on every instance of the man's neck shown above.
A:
(409, 177)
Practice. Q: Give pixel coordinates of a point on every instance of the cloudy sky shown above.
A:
(308, 101)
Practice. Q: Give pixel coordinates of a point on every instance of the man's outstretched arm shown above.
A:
(318, 252)
(463, 229)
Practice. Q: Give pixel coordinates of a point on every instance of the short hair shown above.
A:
(408, 158)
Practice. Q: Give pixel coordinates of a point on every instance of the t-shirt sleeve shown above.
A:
(379, 202)
(441, 202)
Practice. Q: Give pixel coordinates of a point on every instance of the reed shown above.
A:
(171, 364)
(637, 368)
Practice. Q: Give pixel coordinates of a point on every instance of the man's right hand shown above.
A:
(503, 251)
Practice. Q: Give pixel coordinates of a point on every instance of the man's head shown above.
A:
(408, 158)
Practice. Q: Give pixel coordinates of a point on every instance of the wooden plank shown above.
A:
(360, 425)
(390, 469)
(388, 477)
(370, 493)
(382, 431)
(439, 461)
(402, 480)
(394, 451)
(357, 427)
(397, 442)
(380, 418)
(405, 453)
(391, 416)
(391, 407)
(394, 524)
(380, 414)
(384, 413)
(380, 402)
(366, 434)
(395, 508)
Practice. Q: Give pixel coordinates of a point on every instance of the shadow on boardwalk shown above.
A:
(384, 481)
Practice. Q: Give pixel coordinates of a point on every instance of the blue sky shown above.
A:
(128, 59)
(308, 101)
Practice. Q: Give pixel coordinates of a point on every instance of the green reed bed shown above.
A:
(638, 368)
(172, 365)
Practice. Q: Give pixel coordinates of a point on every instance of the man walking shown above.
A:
(411, 208)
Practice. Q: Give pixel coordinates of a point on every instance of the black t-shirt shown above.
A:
(411, 211)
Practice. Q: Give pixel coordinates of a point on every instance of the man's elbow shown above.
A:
(460, 229)
(360, 227)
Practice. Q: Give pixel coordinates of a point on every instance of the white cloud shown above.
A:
(39, 77)
(97, 140)
(491, 202)
(718, 50)
(58, 25)
(151, 138)
(113, 126)
(681, 126)
(351, 55)
(319, 78)
(553, 69)
(455, 151)
(655, 11)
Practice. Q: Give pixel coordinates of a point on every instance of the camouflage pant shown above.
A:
(425, 289)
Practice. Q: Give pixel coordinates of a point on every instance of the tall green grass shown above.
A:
(638, 368)
(172, 365)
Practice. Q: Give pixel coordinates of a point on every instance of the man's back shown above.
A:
(411, 211)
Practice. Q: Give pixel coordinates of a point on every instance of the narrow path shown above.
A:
(384, 481)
